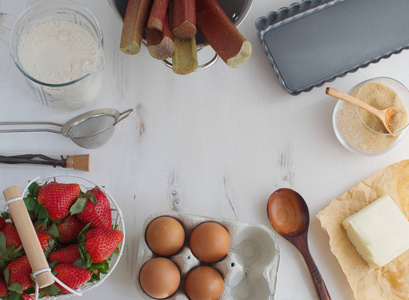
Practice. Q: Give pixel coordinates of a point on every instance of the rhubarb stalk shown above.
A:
(157, 16)
(160, 43)
(220, 32)
(184, 19)
(184, 60)
(134, 23)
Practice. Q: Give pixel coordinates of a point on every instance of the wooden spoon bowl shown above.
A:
(287, 213)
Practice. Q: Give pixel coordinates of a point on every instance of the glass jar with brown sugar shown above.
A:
(361, 132)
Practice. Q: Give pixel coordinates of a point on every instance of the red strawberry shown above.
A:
(3, 288)
(96, 211)
(72, 276)
(2, 223)
(67, 255)
(100, 243)
(69, 230)
(27, 297)
(39, 226)
(57, 198)
(12, 247)
(19, 272)
(46, 241)
(11, 234)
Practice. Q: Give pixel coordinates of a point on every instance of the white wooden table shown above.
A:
(215, 143)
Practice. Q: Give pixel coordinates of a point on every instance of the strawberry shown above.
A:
(95, 209)
(2, 223)
(11, 234)
(72, 276)
(57, 198)
(39, 226)
(69, 230)
(100, 243)
(19, 272)
(10, 245)
(3, 287)
(27, 297)
(67, 255)
(46, 241)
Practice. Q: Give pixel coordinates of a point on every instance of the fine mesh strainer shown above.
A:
(89, 130)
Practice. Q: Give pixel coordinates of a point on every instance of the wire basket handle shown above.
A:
(28, 237)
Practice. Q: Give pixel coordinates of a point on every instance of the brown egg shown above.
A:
(204, 283)
(210, 242)
(159, 278)
(165, 236)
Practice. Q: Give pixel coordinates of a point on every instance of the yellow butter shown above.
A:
(379, 232)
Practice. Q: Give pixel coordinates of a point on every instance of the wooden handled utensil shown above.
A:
(383, 115)
(288, 214)
(28, 237)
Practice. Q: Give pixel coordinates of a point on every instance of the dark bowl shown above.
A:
(236, 10)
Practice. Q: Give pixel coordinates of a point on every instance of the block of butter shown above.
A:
(379, 232)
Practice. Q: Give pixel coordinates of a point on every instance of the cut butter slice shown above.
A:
(379, 232)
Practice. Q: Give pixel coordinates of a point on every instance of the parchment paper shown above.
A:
(392, 280)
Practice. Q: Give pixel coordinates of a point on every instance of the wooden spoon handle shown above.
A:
(28, 236)
(320, 286)
(351, 99)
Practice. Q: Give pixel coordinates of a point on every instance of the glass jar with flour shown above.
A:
(57, 46)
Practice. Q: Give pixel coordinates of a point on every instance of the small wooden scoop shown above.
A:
(383, 115)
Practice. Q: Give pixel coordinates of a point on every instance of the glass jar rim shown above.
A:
(396, 133)
(64, 5)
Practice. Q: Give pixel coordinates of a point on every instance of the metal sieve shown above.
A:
(89, 130)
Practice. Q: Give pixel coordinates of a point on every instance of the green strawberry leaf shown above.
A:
(2, 241)
(33, 189)
(16, 287)
(6, 276)
(52, 264)
(42, 213)
(85, 260)
(30, 291)
(80, 263)
(3, 263)
(53, 230)
(95, 277)
(101, 268)
(78, 206)
(6, 215)
(30, 203)
(81, 235)
(50, 248)
(92, 197)
(14, 296)
(51, 290)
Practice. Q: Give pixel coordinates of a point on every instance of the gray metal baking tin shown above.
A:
(316, 41)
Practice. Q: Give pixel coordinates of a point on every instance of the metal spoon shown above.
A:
(288, 214)
(383, 115)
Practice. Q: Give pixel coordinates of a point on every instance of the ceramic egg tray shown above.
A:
(249, 269)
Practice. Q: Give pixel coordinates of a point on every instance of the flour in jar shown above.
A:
(58, 52)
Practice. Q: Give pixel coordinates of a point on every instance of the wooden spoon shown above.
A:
(288, 214)
(383, 115)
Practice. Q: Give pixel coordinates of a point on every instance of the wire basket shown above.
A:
(117, 220)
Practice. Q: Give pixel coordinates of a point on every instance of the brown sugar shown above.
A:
(381, 96)
(354, 132)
